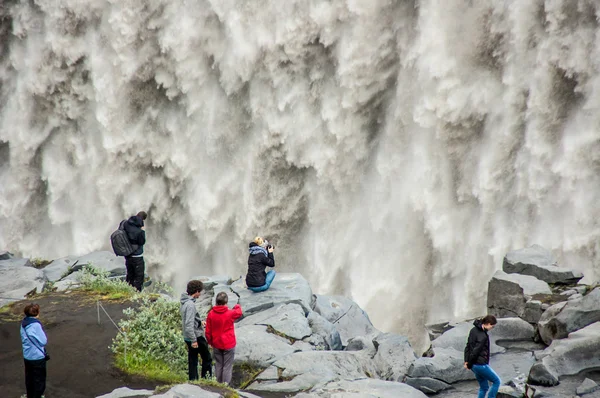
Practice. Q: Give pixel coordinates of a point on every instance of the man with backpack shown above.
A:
(134, 262)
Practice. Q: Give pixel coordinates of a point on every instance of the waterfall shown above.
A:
(393, 151)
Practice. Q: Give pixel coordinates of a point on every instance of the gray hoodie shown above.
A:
(190, 319)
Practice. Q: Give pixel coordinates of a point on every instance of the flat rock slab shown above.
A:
(16, 280)
(256, 345)
(286, 288)
(394, 356)
(539, 262)
(427, 384)
(287, 319)
(59, 268)
(348, 318)
(509, 293)
(125, 392)
(446, 365)
(187, 391)
(363, 388)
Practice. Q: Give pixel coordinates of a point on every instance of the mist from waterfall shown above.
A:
(393, 151)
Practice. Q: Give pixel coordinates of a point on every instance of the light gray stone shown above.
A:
(104, 260)
(446, 365)
(210, 282)
(256, 345)
(324, 334)
(286, 288)
(512, 365)
(362, 343)
(4, 255)
(125, 392)
(348, 318)
(563, 318)
(16, 280)
(303, 346)
(66, 285)
(533, 311)
(287, 319)
(539, 262)
(587, 387)
(570, 356)
(427, 385)
(187, 391)
(394, 356)
(302, 371)
(59, 268)
(365, 388)
(508, 293)
(575, 297)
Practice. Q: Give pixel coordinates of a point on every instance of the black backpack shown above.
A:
(120, 241)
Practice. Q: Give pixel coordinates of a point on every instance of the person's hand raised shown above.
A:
(270, 249)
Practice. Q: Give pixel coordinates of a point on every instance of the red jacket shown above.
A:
(219, 330)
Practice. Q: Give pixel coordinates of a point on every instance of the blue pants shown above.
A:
(268, 281)
(486, 375)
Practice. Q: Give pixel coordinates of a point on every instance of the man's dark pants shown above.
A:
(193, 359)
(35, 378)
(135, 271)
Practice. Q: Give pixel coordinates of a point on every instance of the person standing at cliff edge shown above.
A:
(134, 227)
(477, 356)
(260, 256)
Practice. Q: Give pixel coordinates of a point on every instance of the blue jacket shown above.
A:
(33, 339)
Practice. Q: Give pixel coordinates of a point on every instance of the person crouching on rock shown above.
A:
(220, 334)
(477, 356)
(34, 340)
(193, 333)
(261, 256)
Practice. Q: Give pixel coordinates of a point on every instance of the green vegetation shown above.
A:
(97, 280)
(39, 263)
(245, 373)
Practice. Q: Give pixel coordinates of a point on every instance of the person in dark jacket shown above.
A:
(34, 340)
(261, 256)
(134, 227)
(477, 356)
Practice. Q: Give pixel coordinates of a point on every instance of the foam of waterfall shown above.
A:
(392, 150)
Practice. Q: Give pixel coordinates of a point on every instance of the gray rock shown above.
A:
(232, 298)
(539, 262)
(512, 365)
(286, 288)
(575, 297)
(362, 343)
(125, 392)
(187, 391)
(17, 280)
(324, 334)
(66, 285)
(287, 319)
(364, 388)
(348, 318)
(508, 392)
(59, 268)
(394, 356)
(302, 371)
(104, 260)
(570, 356)
(210, 282)
(427, 384)
(533, 311)
(303, 346)
(255, 345)
(563, 318)
(587, 387)
(446, 365)
(4, 255)
(508, 293)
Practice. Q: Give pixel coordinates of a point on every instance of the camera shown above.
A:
(268, 245)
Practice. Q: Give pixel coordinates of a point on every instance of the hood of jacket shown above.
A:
(28, 320)
(479, 325)
(137, 221)
(220, 309)
(185, 298)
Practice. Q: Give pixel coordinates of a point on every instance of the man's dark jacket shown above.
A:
(135, 233)
(257, 276)
(477, 351)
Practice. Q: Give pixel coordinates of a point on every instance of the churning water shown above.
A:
(392, 150)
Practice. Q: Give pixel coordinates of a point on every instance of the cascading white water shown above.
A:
(393, 150)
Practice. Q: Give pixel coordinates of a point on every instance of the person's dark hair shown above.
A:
(489, 320)
(194, 286)
(32, 310)
(143, 215)
(222, 298)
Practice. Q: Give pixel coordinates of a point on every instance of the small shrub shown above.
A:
(97, 280)
(39, 263)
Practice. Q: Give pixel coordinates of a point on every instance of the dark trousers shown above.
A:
(193, 359)
(35, 378)
(135, 271)
(223, 364)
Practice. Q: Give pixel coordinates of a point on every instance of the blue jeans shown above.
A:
(268, 281)
(486, 375)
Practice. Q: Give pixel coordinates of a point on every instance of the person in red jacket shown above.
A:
(220, 334)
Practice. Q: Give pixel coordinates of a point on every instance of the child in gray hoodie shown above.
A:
(193, 332)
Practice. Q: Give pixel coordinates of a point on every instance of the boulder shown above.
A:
(210, 282)
(187, 391)
(257, 346)
(509, 293)
(17, 280)
(362, 343)
(427, 385)
(4, 255)
(286, 288)
(348, 318)
(394, 356)
(286, 319)
(302, 371)
(539, 263)
(566, 317)
(577, 353)
(59, 268)
(324, 334)
(587, 387)
(447, 365)
(512, 365)
(125, 392)
(363, 388)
